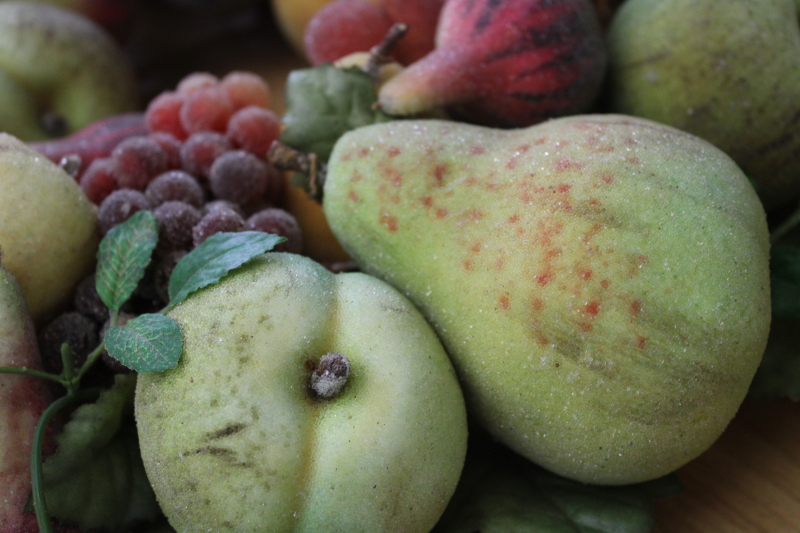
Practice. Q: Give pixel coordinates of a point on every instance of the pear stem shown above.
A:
(287, 158)
(380, 54)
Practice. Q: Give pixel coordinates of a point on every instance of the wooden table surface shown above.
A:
(747, 482)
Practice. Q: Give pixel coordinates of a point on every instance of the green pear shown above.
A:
(240, 437)
(601, 283)
(23, 399)
(48, 228)
(728, 72)
(59, 72)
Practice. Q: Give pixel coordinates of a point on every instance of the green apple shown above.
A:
(726, 71)
(600, 282)
(59, 72)
(48, 228)
(243, 437)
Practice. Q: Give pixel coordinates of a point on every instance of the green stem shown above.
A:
(37, 478)
(30, 372)
(785, 227)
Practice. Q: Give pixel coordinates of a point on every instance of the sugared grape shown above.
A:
(171, 146)
(245, 88)
(254, 129)
(196, 80)
(175, 223)
(222, 204)
(278, 222)
(163, 114)
(206, 109)
(324, 40)
(140, 160)
(200, 150)
(100, 179)
(73, 328)
(88, 302)
(175, 185)
(216, 221)
(238, 176)
(119, 206)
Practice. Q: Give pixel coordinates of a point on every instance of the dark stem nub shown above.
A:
(287, 158)
(330, 376)
(71, 164)
(380, 53)
(53, 123)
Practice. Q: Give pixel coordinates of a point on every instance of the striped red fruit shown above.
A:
(506, 63)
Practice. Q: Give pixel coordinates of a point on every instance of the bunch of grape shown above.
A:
(201, 168)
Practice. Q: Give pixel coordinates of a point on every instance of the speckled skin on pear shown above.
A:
(600, 282)
(728, 72)
(232, 439)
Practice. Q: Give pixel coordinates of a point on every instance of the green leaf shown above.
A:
(96, 478)
(148, 343)
(500, 492)
(124, 254)
(212, 260)
(785, 281)
(325, 102)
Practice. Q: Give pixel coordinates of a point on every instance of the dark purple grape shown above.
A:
(216, 221)
(119, 206)
(87, 301)
(140, 159)
(200, 150)
(165, 264)
(278, 222)
(238, 176)
(175, 223)
(73, 328)
(175, 185)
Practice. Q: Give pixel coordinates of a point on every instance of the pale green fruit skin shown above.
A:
(55, 59)
(48, 228)
(232, 441)
(22, 401)
(600, 282)
(726, 71)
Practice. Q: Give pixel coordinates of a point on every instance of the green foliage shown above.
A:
(323, 103)
(123, 256)
(96, 478)
(501, 492)
(218, 255)
(148, 343)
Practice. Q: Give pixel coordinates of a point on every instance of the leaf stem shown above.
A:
(37, 478)
(24, 370)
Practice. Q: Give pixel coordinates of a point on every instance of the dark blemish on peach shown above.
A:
(364, 152)
(474, 214)
(592, 232)
(635, 160)
(636, 307)
(592, 308)
(468, 265)
(594, 202)
(439, 172)
(426, 201)
(641, 261)
(586, 274)
(476, 247)
(537, 304)
(476, 150)
(393, 151)
(513, 219)
(352, 196)
(605, 283)
(503, 302)
(394, 176)
(607, 178)
(389, 221)
(544, 278)
(472, 180)
(441, 212)
(641, 342)
(586, 326)
(563, 187)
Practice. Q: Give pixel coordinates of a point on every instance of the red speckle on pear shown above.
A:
(503, 301)
(441, 212)
(390, 221)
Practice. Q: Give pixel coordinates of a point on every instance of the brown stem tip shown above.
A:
(287, 158)
(330, 376)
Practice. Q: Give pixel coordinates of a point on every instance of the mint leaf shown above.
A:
(212, 260)
(500, 491)
(96, 477)
(124, 254)
(147, 343)
(323, 103)
(785, 281)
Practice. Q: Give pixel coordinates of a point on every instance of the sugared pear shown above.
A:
(600, 282)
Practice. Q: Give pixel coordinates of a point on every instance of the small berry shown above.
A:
(175, 185)
(119, 206)
(238, 176)
(245, 89)
(216, 221)
(171, 146)
(200, 150)
(140, 159)
(207, 109)
(88, 302)
(175, 223)
(195, 81)
(73, 328)
(163, 114)
(100, 179)
(254, 129)
(278, 222)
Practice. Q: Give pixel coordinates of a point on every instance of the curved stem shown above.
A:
(37, 479)
(30, 372)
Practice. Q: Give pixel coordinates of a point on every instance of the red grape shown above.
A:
(278, 222)
(171, 146)
(140, 160)
(238, 176)
(175, 223)
(163, 114)
(216, 221)
(119, 206)
(175, 185)
(100, 179)
(245, 88)
(206, 109)
(200, 150)
(254, 129)
(196, 80)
